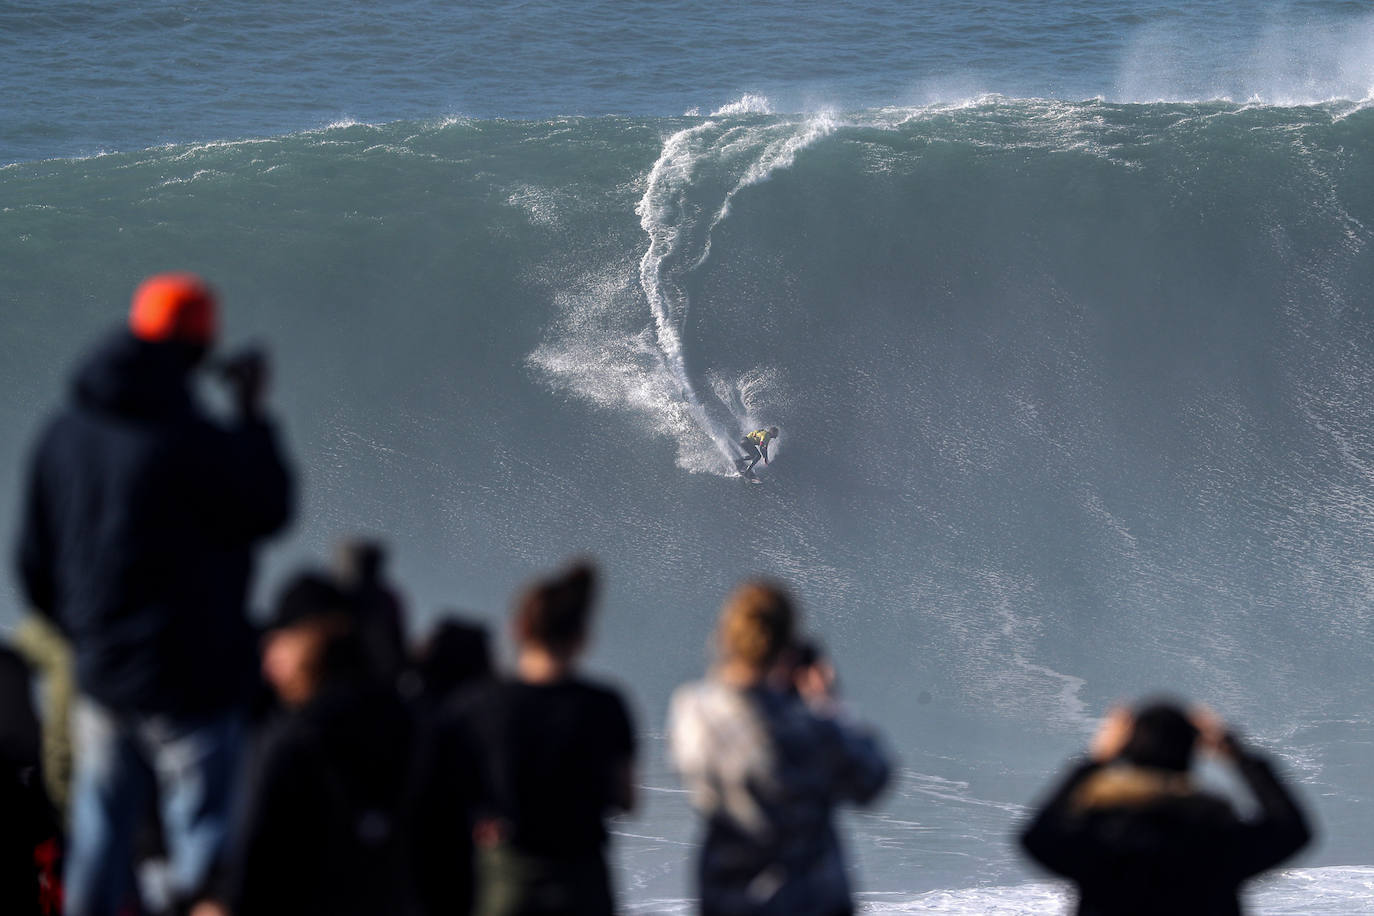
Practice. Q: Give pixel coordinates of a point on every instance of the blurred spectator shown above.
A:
(529, 768)
(1130, 828)
(322, 826)
(812, 674)
(20, 735)
(454, 657)
(767, 753)
(140, 518)
(359, 569)
(30, 838)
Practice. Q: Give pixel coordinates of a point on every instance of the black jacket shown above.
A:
(139, 519)
(30, 840)
(30, 843)
(323, 827)
(1143, 841)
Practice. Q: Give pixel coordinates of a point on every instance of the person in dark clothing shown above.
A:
(322, 828)
(455, 656)
(21, 738)
(30, 846)
(532, 765)
(453, 660)
(30, 836)
(140, 519)
(359, 571)
(1132, 831)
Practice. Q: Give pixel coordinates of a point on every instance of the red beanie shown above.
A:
(178, 306)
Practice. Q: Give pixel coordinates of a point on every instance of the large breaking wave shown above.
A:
(1074, 398)
(641, 364)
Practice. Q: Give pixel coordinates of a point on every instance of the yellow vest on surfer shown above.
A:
(755, 445)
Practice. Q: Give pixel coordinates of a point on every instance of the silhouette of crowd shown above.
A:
(190, 761)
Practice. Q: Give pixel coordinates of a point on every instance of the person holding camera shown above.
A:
(1131, 828)
(767, 753)
(140, 519)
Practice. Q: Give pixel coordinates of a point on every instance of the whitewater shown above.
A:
(1063, 312)
(647, 370)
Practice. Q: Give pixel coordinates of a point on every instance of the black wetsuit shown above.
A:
(753, 453)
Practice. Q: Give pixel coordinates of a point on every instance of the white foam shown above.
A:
(194, 176)
(750, 396)
(747, 104)
(603, 349)
(1327, 891)
(668, 218)
(778, 154)
(541, 205)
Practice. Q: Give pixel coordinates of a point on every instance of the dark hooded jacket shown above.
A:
(139, 521)
(30, 838)
(323, 827)
(1139, 840)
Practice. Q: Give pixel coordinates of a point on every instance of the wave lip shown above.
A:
(747, 104)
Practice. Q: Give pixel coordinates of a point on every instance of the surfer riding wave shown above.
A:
(755, 445)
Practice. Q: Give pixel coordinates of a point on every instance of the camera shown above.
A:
(244, 373)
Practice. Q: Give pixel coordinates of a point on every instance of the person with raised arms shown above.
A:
(1136, 834)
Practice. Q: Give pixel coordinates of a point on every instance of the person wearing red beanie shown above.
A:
(174, 306)
(141, 517)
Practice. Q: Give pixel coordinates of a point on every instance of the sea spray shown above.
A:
(688, 193)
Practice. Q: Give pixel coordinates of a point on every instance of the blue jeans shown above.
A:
(121, 761)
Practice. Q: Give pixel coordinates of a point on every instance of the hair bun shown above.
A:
(554, 612)
(579, 582)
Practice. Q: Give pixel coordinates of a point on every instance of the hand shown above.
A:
(246, 373)
(1112, 735)
(1212, 734)
(815, 683)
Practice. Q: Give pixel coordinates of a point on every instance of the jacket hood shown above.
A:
(1131, 787)
(134, 378)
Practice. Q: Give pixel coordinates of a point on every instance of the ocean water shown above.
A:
(1063, 311)
(86, 76)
